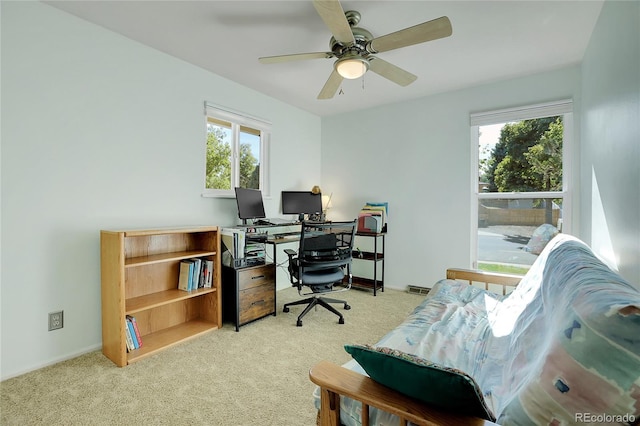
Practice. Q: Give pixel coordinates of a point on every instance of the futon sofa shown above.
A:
(562, 348)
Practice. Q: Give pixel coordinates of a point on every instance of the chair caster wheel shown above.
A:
(341, 321)
(285, 309)
(299, 323)
(346, 307)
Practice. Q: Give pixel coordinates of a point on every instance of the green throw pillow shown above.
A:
(443, 387)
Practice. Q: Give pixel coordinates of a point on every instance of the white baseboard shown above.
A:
(54, 361)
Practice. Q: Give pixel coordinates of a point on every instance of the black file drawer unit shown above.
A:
(249, 293)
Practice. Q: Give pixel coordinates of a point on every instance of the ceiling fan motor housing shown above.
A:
(362, 39)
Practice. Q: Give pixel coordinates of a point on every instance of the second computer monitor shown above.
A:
(301, 203)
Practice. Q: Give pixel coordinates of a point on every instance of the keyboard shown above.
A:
(273, 221)
(287, 236)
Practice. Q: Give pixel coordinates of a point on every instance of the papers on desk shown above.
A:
(233, 244)
(373, 217)
(279, 221)
(285, 236)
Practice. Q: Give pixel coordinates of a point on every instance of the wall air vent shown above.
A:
(417, 289)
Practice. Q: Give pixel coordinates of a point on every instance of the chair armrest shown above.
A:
(290, 253)
(335, 381)
(487, 278)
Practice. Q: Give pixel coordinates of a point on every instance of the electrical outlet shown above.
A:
(56, 320)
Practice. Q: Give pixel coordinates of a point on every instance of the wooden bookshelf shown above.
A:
(139, 274)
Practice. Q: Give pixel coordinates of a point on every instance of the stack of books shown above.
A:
(195, 274)
(132, 334)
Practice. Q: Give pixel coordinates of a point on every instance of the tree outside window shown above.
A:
(236, 153)
(218, 157)
(521, 183)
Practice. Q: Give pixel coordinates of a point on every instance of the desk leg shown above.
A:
(383, 253)
(375, 265)
(275, 283)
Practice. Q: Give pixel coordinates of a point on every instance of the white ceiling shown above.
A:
(492, 40)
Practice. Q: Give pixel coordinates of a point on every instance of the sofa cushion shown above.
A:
(575, 349)
(443, 387)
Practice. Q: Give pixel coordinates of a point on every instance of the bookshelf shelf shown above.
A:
(139, 275)
(160, 298)
(168, 337)
(165, 257)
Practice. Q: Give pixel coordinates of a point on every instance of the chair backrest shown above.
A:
(328, 244)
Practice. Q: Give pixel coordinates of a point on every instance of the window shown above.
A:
(521, 175)
(237, 152)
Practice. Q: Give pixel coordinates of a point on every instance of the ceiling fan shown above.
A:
(355, 47)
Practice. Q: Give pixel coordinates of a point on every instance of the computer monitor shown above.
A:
(301, 203)
(250, 204)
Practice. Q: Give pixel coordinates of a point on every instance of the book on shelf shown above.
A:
(134, 323)
(184, 277)
(128, 338)
(132, 332)
(195, 273)
(195, 276)
(203, 273)
(208, 282)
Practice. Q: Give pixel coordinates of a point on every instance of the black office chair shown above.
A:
(321, 263)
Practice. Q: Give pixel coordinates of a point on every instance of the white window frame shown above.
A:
(238, 119)
(562, 107)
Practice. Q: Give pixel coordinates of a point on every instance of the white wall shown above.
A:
(416, 155)
(611, 138)
(100, 132)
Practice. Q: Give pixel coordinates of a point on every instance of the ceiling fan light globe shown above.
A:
(351, 68)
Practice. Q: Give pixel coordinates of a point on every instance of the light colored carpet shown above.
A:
(258, 376)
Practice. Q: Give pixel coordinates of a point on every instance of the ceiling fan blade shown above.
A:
(391, 72)
(294, 57)
(331, 86)
(333, 16)
(427, 31)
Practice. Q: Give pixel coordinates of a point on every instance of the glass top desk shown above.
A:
(368, 258)
(280, 236)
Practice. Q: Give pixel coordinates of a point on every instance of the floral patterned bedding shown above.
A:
(562, 348)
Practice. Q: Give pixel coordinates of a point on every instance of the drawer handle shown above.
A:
(257, 277)
(259, 302)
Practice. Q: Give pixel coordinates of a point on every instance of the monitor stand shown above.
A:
(301, 217)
